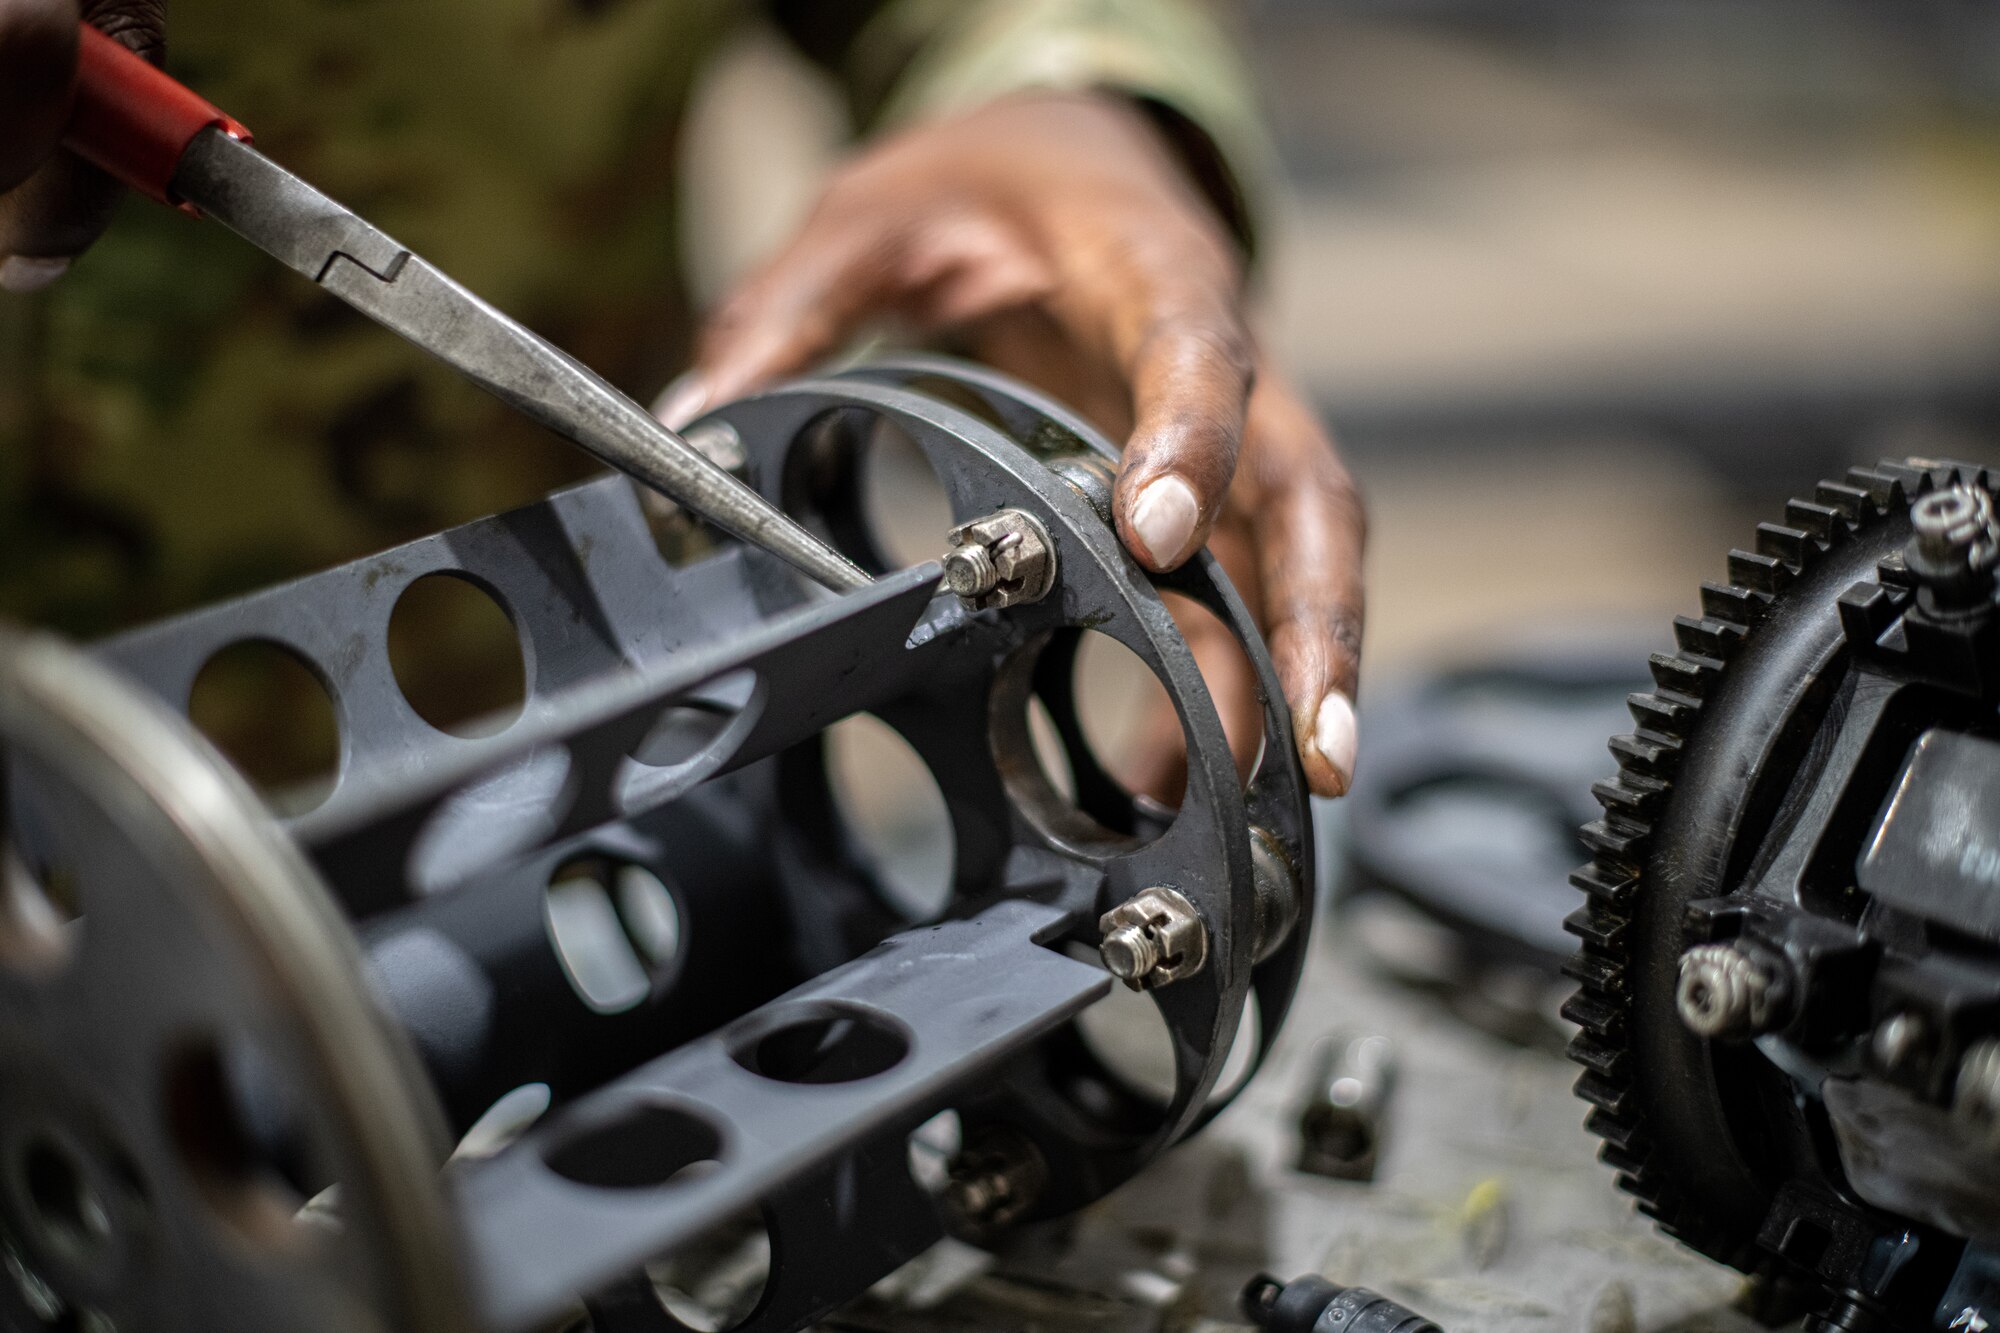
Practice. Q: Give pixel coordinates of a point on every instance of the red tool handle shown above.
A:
(133, 120)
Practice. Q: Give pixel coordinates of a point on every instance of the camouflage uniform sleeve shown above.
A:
(906, 60)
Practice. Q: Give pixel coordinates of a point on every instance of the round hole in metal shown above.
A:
(457, 655)
(615, 927)
(271, 714)
(1055, 709)
(823, 1043)
(642, 1145)
(893, 807)
(860, 481)
(689, 741)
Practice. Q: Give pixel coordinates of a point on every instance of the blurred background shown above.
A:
(1585, 289)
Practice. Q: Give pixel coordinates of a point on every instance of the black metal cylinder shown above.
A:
(1314, 1305)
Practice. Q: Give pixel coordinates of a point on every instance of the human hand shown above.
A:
(52, 203)
(1058, 236)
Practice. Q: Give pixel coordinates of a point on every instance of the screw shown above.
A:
(1152, 939)
(1003, 559)
(1723, 992)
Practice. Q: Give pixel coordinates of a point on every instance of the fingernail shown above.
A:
(682, 401)
(1163, 517)
(25, 273)
(1335, 735)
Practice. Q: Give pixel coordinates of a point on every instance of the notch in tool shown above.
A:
(166, 142)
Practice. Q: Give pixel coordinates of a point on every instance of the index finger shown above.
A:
(1178, 335)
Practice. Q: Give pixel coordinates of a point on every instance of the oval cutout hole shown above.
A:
(643, 1146)
(268, 711)
(457, 656)
(616, 929)
(893, 807)
(825, 1044)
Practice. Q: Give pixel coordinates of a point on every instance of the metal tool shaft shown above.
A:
(288, 219)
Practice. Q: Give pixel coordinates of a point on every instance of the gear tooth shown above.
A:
(1853, 503)
(1624, 1135)
(1600, 974)
(1594, 1013)
(1794, 546)
(1762, 573)
(1646, 752)
(1916, 480)
(1613, 1097)
(1625, 1163)
(1823, 523)
(1741, 607)
(1712, 639)
(1608, 884)
(1661, 712)
(1597, 926)
(1619, 839)
(1633, 801)
(1600, 1057)
(1685, 673)
(1884, 490)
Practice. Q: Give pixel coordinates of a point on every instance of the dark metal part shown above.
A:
(1344, 1120)
(286, 218)
(1790, 968)
(1314, 1305)
(793, 1024)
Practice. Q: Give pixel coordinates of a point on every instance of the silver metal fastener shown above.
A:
(1723, 992)
(1153, 939)
(1003, 559)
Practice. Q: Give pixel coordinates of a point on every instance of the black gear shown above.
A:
(1686, 1123)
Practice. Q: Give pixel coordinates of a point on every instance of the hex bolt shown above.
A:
(1723, 992)
(1976, 1100)
(1004, 559)
(1153, 939)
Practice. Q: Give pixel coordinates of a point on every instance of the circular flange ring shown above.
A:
(994, 454)
(189, 1047)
